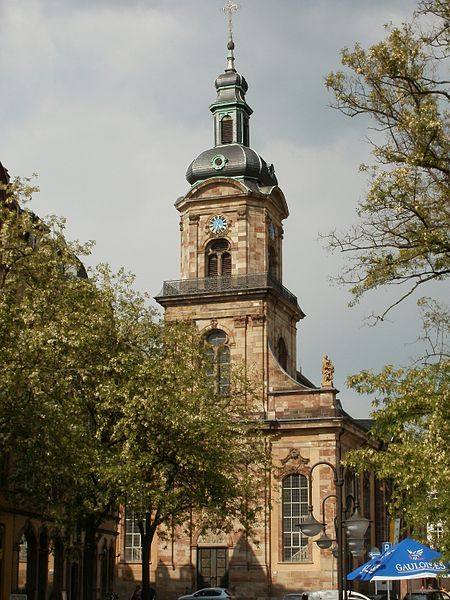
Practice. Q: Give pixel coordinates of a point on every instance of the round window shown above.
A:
(218, 162)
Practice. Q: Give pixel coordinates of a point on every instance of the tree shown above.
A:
(103, 404)
(412, 421)
(403, 236)
(57, 347)
(193, 457)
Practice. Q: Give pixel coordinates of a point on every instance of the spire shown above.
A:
(230, 110)
(230, 8)
(231, 155)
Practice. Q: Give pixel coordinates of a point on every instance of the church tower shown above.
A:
(231, 285)
(231, 223)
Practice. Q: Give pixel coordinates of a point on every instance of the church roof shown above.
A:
(231, 160)
(231, 155)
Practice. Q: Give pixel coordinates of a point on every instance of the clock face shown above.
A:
(218, 224)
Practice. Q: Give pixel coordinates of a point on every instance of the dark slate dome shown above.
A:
(231, 160)
(231, 78)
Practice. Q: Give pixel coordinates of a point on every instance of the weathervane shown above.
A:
(230, 8)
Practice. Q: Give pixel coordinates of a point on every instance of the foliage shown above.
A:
(412, 421)
(204, 441)
(403, 235)
(56, 336)
(436, 329)
(403, 238)
(101, 403)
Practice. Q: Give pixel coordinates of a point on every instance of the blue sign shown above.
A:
(374, 553)
(385, 546)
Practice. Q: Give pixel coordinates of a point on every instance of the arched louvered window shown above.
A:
(218, 259)
(226, 130)
(219, 354)
(295, 510)
(226, 264)
(282, 353)
(213, 263)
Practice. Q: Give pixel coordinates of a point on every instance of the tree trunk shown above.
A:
(147, 532)
(89, 557)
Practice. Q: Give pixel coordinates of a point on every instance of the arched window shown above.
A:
(219, 354)
(104, 568)
(218, 259)
(295, 509)
(43, 567)
(226, 130)
(133, 547)
(26, 564)
(282, 353)
(56, 558)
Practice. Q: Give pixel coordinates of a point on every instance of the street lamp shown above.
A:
(355, 526)
(324, 540)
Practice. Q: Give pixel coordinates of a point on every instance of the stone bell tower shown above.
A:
(231, 285)
(231, 223)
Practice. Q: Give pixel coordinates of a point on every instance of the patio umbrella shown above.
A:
(361, 571)
(406, 560)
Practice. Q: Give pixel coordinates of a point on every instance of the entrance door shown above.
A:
(212, 567)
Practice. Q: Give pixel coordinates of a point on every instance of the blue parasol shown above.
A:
(406, 560)
(361, 571)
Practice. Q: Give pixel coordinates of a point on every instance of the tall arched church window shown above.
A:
(133, 548)
(226, 130)
(56, 568)
(218, 259)
(43, 566)
(26, 564)
(219, 354)
(282, 354)
(295, 509)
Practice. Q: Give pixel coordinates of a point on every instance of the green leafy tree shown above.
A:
(192, 456)
(401, 84)
(58, 344)
(412, 421)
(101, 403)
(403, 238)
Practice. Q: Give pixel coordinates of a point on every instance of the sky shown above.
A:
(107, 101)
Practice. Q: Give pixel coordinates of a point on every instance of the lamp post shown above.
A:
(355, 526)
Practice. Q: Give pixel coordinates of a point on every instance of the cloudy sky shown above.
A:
(107, 100)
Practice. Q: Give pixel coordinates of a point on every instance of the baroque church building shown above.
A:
(231, 285)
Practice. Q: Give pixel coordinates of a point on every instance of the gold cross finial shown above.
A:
(230, 8)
